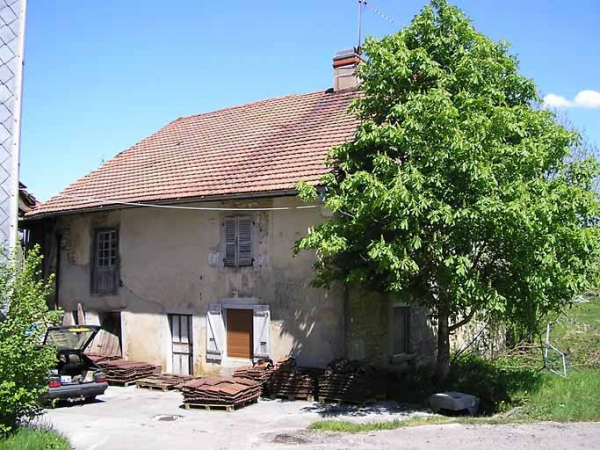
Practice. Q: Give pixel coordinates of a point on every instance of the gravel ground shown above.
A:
(130, 418)
(548, 435)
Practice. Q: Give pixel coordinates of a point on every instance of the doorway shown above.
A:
(239, 333)
(181, 338)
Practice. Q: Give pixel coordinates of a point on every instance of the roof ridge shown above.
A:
(264, 100)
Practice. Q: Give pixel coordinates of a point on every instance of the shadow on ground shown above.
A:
(73, 403)
(389, 409)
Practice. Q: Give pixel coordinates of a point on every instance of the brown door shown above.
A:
(239, 333)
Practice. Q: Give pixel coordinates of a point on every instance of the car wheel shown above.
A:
(90, 399)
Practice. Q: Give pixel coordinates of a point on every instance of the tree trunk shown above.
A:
(442, 370)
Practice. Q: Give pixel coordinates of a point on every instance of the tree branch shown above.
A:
(466, 347)
(346, 214)
(478, 256)
(466, 320)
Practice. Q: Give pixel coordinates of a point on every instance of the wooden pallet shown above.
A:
(153, 387)
(122, 383)
(208, 407)
(158, 383)
(292, 397)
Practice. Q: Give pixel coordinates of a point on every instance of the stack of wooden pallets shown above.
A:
(351, 382)
(260, 372)
(125, 373)
(220, 393)
(163, 382)
(292, 382)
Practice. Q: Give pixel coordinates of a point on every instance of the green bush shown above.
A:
(35, 438)
(24, 363)
(497, 384)
(413, 386)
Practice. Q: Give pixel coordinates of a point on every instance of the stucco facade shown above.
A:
(171, 262)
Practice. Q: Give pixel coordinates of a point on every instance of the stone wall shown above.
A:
(423, 337)
(369, 326)
(483, 337)
(370, 331)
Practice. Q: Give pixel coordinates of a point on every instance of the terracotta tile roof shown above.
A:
(265, 146)
(27, 202)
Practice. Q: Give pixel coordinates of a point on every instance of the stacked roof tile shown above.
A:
(224, 391)
(265, 146)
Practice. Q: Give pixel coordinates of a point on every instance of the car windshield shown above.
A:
(69, 338)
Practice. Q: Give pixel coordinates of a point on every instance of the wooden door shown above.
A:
(181, 336)
(105, 273)
(239, 333)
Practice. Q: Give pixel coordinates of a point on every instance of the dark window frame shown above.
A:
(113, 268)
(406, 330)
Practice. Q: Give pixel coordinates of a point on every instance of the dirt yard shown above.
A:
(126, 418)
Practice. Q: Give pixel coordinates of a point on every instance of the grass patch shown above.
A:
(35, 438)
(516, 378)
(554, 398)
(343, 426)
(577, 333)
(575, 398)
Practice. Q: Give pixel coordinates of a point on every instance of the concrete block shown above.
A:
(454, 401)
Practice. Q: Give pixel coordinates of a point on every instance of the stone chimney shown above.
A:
(344, 69)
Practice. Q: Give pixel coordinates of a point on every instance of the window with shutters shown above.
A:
(105, 270)
(238, 241)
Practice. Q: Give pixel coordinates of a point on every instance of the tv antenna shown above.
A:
(364, 4)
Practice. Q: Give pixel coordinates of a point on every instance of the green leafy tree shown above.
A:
(24, 364)
(456, 188)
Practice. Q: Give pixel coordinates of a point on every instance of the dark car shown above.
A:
(76, 375)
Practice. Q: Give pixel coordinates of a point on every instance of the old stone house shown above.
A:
(182, 244)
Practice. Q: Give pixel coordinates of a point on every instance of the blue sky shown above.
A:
(101, 75)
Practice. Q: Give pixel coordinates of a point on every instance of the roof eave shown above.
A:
(35, 215)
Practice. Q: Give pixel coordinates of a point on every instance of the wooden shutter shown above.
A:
(230, 241)
(215, 331)
(105, 271)
(262, 326)
(244, 241)
(238, 241)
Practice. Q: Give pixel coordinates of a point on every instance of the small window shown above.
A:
(238, 241)
(105, 273)
(401, 329)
